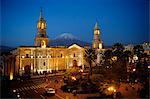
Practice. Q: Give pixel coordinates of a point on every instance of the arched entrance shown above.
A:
(27, 69)
(74, 63)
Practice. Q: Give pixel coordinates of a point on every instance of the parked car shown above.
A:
(50, 91)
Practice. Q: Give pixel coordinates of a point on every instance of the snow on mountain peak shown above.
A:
(66, 36)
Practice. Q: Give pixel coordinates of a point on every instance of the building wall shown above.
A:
(47, 59)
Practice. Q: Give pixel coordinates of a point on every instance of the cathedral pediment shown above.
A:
(75, 46)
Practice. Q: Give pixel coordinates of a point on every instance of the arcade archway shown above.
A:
(27, 69)
(74, 63)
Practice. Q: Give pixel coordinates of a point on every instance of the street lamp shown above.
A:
(134, 69)
(73, 78)
(14, 90)
(111, 88)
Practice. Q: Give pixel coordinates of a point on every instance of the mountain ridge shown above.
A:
(67, 39)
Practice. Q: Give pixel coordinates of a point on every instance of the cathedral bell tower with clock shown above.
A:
(41, 39)
(97, 43)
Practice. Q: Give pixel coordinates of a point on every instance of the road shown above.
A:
(35, 88)
(129, 91)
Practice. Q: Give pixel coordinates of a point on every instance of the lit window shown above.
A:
(42, 27)
(100, 46)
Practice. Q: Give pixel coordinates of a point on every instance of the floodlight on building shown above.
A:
(11, 76)
(31, 56)
(50, 70)
(71, 56)
(22, 68)
(31, 67)
(22, 56)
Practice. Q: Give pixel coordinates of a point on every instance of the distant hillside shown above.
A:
(67, 39)
(5, 48)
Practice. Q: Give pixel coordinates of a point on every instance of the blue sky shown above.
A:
(124, 21)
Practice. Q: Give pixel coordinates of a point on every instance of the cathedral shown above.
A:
(42, 57)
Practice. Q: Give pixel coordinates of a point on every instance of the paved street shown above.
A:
(36, 87)
(129, 91)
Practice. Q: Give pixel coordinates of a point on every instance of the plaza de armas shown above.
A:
(105, 77)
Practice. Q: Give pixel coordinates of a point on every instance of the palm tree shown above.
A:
(90, 57)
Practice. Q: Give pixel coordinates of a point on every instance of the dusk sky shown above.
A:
(124, 21)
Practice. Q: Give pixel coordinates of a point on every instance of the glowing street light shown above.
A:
(14, 90)
(73, 78)
(112, 89)
(134, 69)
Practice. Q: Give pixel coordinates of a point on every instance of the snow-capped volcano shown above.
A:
(66, 36)
(66, 39)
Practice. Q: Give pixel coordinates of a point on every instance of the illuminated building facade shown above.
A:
(42, 58)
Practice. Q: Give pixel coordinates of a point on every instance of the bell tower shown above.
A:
(41, 38)
(97, 43)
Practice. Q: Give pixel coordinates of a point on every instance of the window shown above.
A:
(61, 55)
(74, 55)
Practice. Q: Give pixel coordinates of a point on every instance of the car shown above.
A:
(50, 91)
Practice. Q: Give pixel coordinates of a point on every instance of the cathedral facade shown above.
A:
(42, 58)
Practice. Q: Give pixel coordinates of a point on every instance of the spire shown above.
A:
(40, 12)
(96, 26)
